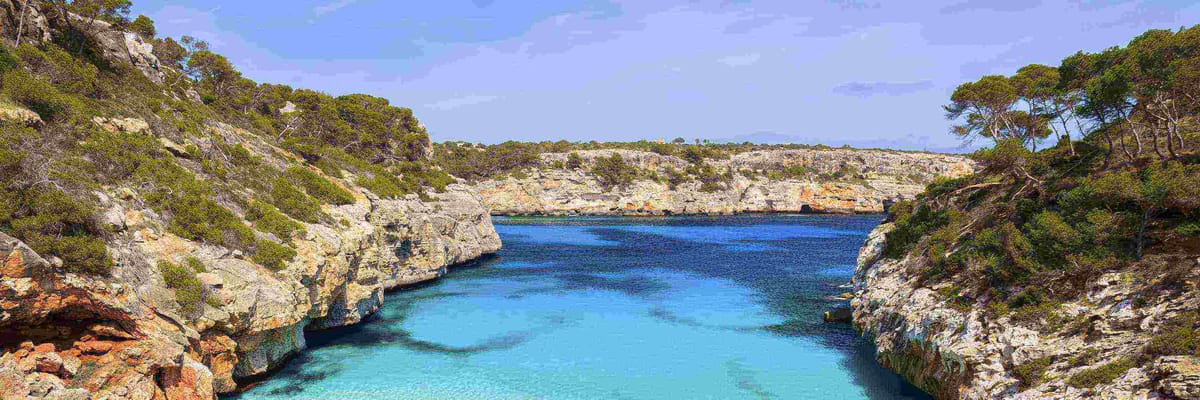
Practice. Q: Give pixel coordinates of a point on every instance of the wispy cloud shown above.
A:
(331, 7)
(450, 104)
(741, 60)
(868, 89)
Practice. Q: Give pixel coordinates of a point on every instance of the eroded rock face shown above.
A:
(125, 336)
(72, 336)
(34, 29)
(558, 191)
(960, 352)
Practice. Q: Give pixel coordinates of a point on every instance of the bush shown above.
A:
(143, 26)
(36, 95)
(196, 265)
(319, 187)
(912, 221)
(574, 161)
(193, 214)
(189, 291)
(613, 171)
(1180, 337)
(53, 224)
(1032, 372)
(268, 219)
(1101, 375)
(273, 255)
(8, 61)
(293, 202)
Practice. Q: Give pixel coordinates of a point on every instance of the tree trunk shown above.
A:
(21, 24)
(1141, 233)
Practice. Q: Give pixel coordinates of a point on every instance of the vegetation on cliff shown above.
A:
(164, 131)
(477, 162)
(1117, 190)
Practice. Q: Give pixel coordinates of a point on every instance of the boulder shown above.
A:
(122, 125)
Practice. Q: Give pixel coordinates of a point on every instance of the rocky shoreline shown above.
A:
(130, 339)
(960, 352)
(880, 177)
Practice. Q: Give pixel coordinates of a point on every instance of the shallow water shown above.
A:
(615, 308)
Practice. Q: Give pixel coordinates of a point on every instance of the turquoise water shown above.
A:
(615, 308)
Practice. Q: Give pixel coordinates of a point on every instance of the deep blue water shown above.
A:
(615, 308)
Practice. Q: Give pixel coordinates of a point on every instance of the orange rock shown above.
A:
(44, 348)
(95, 347)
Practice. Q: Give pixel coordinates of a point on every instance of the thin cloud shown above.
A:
(741, 60)
(991, 5)
(868, 89)
(450, 104)
(331, 7)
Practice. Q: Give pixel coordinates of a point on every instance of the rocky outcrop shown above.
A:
(24, 19)
(880, 176)
(963, 351)
(65, 335)
(122, 48)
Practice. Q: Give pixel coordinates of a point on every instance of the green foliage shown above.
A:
(273, 255)
(8, 61)
(189, 291)
(52, 223)
(293, 202)
(613, 172)
(144, 26)
(321, 188)
(942, 185)
(912, 222)
(1101, 375)
(1180, 337)
(790, 172)
(710, 179)
(1032, 372)
(35, 94)
(193, 213)
(195, 264)
(268, 219)
(574, 161)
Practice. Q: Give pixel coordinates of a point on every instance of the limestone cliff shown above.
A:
(77, 336)
(880, 176)
(125, 332)
(959, 351)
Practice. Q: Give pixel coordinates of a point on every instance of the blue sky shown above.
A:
(859, 72)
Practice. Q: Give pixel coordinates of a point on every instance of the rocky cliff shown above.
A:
(125, 336)
(1095, 347)
(877, 176)
(149, 183)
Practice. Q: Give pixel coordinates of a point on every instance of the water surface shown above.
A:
(615, 308)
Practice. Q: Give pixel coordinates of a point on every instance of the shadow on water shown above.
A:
(789, 276)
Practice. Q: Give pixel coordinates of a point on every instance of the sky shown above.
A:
(858, 72)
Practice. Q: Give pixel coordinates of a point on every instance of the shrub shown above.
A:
(613, 171)
(1101, 375)
(1032, 372)
(143, 26)
(293, 202)
(36, 95)
(189, 291)
(1180, 337)
(319, 187)
(273, 255)
(196, 265)
(912, 222)
(52, 223)
(574, 161)
(8, 61)
(193, 214)
(268, 219)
